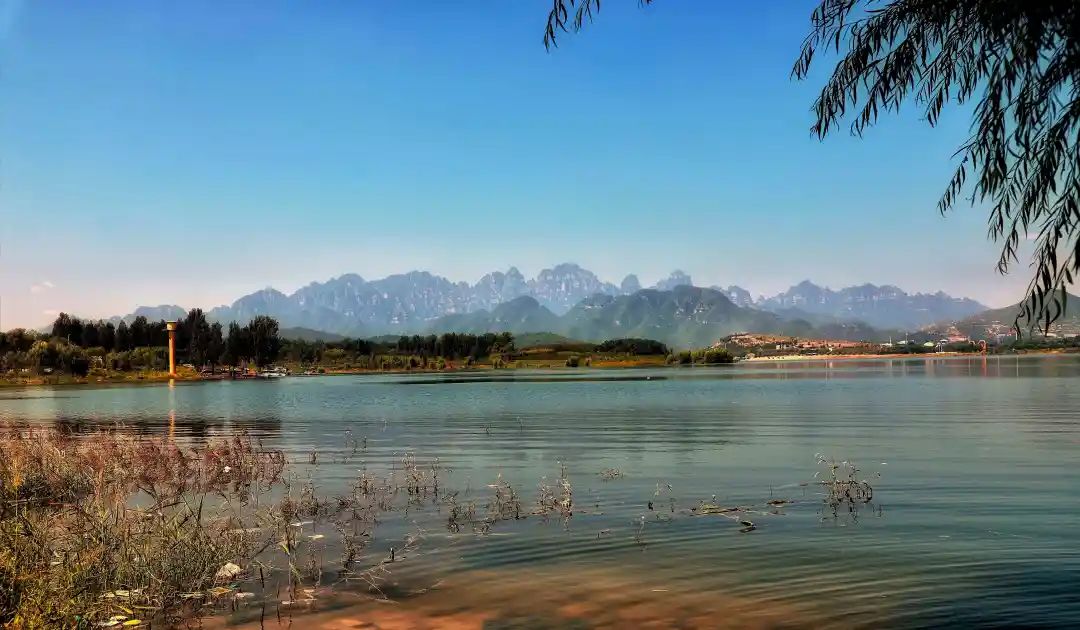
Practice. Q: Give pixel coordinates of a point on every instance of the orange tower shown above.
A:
(171, 327)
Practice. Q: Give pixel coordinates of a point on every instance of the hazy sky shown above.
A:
(191, 152)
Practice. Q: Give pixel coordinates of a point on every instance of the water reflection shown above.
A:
(970, 450)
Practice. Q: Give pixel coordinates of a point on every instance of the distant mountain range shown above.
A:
(883, 306)
(685, 316)
(571, 300)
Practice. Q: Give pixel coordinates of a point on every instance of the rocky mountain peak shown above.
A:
(675, 279)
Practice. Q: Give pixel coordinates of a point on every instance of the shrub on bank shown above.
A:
(715, 356)
(711, 356)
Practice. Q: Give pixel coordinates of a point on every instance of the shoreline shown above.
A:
(129, 378)
(907, 355)
(155, 378)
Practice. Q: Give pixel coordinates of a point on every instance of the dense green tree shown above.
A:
(215, 346)
(107, 336)
(632, 346)
(305, 352)
(58, 355)
(89, 337)
(197, 337)
(159, 334)
(237, 345)
(68, 327)
(359, 346)
(455, 345)
(1017, 62)
(140, 332)
(61, 325)
(123, 337)
(265, 343)
(17, 340)
(44, 355)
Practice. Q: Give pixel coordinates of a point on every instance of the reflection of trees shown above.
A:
(199, 427)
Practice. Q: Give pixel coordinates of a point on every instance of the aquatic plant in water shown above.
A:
(111, 529)
(844, 491)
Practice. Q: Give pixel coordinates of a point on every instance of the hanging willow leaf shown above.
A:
(1021, 60)
(559, 20)
(1017, 60)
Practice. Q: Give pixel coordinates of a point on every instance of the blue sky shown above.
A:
(192, 152)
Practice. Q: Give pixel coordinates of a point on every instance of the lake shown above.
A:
(974, 463)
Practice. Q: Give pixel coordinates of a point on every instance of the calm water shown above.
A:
(976, 518)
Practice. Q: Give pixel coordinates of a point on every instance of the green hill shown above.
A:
(543, 339)
(520, 315)
(684, 316)
(976, 325)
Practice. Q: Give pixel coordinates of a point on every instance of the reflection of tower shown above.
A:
(171, 327)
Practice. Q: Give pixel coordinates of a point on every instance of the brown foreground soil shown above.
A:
(546, 598)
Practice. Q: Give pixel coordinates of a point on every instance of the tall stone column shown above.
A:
(171, 326)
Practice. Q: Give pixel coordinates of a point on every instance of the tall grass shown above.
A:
(110, 529)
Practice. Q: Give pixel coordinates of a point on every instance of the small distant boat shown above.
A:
(273, 372)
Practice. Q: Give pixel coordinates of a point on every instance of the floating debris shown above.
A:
(711, 508)
(609, 474)
(227, 572)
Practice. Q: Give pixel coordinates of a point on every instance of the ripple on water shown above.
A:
(978, 461)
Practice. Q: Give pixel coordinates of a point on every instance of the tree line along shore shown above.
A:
(75, 350)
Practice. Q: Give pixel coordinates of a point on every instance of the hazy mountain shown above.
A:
(419, 301)
(411, 301)
(152, 313)
(738, 295)
(630, 284)
(684, 316)
(678, 278)
(498, 287)
(567, 284)
(883, 306)
(265, 302)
